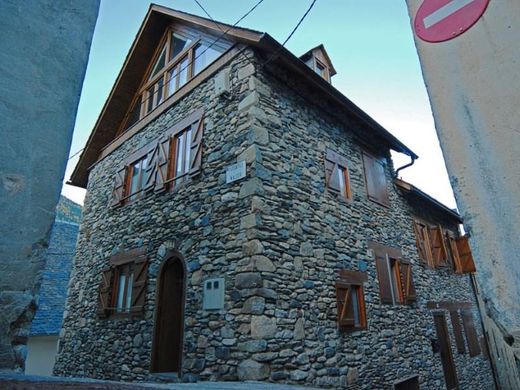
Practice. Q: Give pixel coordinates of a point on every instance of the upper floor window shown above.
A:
(336, 175)
(396, 284)
(178, 59)
(136, 178)
(375, 179)
(161, 164)
(436, 247)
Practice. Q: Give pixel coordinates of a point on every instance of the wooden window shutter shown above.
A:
(438, 248)
(457, 265)
(457, 330)
(151, 168)
(375, 180)
(118, 191)
(385, 288)
(162, 163)
(407, 284)
(139, 285)
(471, 333)
(331, 175)
(466, 258)
(419, 240)
(196, 146)
(105, 293)
(345, 306)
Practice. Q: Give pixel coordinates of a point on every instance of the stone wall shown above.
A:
(278, 238)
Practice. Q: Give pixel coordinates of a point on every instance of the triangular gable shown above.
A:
(157, 20)
(320, 53)
(139, 57)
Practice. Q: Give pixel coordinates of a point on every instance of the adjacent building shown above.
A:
(474, 103)
(42, 343)
(243, 222)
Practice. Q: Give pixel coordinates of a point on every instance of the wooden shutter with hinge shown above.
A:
(151, 168)
(345, 306)
(139, 285)
(385, 288)
(333, 162)
(162, 158)
(470, 331)
(408, 286)
(375, 180)
(457, 330)
(331, 176)
(466, 258)
(197, 130)
(105, 293)
(457, 266)
(118, 191)
(422, 239)
(438, 248)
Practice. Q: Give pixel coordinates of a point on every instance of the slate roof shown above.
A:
(55, 279)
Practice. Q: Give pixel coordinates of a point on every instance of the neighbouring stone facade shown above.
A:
(278, 237)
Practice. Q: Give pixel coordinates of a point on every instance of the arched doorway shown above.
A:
(169, 316)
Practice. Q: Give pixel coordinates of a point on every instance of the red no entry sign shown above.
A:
(441, 20)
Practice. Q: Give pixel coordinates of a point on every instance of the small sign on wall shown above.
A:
(235, 172)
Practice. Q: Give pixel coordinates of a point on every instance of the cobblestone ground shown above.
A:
(10, 381)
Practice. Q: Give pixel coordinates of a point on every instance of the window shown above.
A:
(163, 163)
(461, 254)
(433, 243)
(122, 288)
(180, 155)
(430, 244)
(336, 175)
(179, 59)
(396, 284)
(375, 180)
(321, 70)
(350, 300)
(136, 179)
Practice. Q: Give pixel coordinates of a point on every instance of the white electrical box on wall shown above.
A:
(213, 294)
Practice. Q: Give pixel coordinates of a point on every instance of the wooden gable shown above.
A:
(318, 60)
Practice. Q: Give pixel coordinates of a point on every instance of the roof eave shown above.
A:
(411, 189)
(269, 43)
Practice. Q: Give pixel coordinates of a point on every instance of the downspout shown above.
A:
(396, 175)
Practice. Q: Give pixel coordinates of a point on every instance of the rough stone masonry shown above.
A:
(277, 237)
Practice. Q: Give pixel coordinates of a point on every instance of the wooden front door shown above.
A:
(169, 320)
(448, 366)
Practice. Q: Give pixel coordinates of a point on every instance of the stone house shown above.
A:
(242, 221)
(42, 342)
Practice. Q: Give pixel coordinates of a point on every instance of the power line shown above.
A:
(75, 154)
(273, 56)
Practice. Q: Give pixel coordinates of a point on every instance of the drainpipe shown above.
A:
(405, 166)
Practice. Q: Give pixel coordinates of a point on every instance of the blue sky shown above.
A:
(370, 43)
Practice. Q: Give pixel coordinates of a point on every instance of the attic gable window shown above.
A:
(178, 59)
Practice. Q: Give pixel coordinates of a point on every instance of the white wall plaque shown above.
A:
(235, 172)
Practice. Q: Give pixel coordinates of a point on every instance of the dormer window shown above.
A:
(178, 59)
(318, 60)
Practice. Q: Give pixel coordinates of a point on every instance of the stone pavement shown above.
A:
(15, 381)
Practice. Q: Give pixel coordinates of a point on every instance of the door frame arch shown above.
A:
(170, 256)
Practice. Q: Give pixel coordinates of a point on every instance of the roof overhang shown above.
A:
(410, 190)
